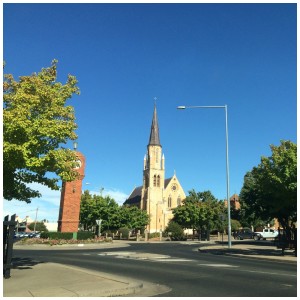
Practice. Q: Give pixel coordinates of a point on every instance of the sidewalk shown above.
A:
(56, 280)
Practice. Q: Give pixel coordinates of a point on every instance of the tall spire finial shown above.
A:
(154, 134)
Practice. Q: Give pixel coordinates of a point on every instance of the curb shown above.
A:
(132, 288)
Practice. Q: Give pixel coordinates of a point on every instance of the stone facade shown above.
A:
(68, 220)
(158, 196)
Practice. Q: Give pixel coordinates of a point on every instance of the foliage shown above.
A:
(133, 217)
(235, 225)
(60, 241)
(39, 226)
(113, 216)
(125, 232)
(36, 122)
(95, 207)
(200, 210)
(176, 231)
(81, 235)
(270, 189)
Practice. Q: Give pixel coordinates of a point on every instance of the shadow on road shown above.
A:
(24, 263)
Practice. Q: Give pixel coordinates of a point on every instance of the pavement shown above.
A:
(31, 278)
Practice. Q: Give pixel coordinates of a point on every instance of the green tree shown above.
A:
(95, 207)
(39, 226)
(200, 210)
(133, 217)
(36, 122)
(270, 189)
(113, 216)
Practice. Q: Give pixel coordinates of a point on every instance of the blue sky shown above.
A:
(124, 55)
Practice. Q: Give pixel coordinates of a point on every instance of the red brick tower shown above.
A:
(68, 219)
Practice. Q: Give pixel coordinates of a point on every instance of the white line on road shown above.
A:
(218, 265)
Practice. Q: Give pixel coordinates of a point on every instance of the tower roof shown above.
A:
(154, 134)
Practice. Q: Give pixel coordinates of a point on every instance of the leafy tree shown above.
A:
(270, 189)
(200, 210)
(39, 226)
(36, 122)
(133, 217)
(113, 216)
(95, 207)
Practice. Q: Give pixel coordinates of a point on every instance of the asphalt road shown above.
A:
(181, 267)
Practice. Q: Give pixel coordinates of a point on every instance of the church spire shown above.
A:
(154, 134)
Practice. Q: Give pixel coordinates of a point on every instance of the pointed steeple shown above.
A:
(154, 134)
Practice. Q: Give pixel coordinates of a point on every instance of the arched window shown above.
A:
(158, 181)
(178, 200)
(154, 180)
(169, 201)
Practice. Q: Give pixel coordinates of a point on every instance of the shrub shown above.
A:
(81, 235)
(153, 235)
(125, 232)
(175, 230)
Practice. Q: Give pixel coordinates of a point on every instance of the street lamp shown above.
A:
(227, 162)
(75, 145)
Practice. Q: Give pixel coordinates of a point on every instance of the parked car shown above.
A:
(265, 234)
(243, 234)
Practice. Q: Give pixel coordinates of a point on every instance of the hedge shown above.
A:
(81, 235)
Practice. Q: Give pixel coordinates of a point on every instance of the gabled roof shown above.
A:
(154, 133)
(167, 181)
(136, 195)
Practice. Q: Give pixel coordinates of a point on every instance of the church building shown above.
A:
(158, 195)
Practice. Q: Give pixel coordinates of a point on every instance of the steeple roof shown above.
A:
(154, 134)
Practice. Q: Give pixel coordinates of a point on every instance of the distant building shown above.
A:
(22, 224)
(234, 202)
(157, 195)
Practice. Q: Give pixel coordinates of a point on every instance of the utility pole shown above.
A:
(35, 219)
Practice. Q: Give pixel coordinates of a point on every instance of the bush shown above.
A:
(153, 235)
(81, 235)
(176, 231)
(125, 232)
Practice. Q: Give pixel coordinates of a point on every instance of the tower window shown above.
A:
(154, 180)
(158, 181)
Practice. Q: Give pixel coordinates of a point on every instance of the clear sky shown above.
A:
(124, 55)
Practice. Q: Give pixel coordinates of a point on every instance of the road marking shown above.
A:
(219, 265)
(120, 253)
(143, 256)
(270, 273)
(172, 259)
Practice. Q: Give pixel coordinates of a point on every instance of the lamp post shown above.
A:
(75, 145)
(227, 162)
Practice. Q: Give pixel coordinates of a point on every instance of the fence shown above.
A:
(8, 240)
